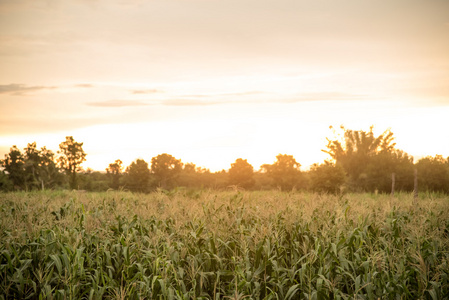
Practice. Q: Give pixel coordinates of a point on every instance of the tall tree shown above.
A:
(49, 173)
(433, 173)
(5, 183)
(369, 161)
(114, 171)
(166, 169)
(14, 164)
(189, 177)
(138, 176)
(284, 172)
(32, 169)
(327, 177)
(241, 174)
(381, 167)
(71, 157)
(40, 167)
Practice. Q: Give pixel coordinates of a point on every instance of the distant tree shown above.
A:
(241, 174)
(71, 157)
(189, 177)
(93, 181)
(5, 183)
(216, 180)
(189, 168)
(327, 177)
(380, 168)
(166, 169)
(14, 164)
(114, 172)
(433, 174)
(40, 167)
(284, 172)
(32, 161)
(138, 176)
(369, 161)
(262, 180)
(32, 169)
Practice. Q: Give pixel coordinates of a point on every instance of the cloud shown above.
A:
(238, 94)
(117, 103)
(233, 98)
(326, 96)
(171, 102)
(151, 91)
(230, 98)
(84, 85)
(31, 125)
(184, 102)
(22, 89)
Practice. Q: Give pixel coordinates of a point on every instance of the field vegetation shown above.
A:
(204, 244)
(359, 161)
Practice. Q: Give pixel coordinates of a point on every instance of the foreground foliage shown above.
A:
(212, 245)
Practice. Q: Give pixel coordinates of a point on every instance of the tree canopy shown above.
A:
(138, 176)
(32, 169)
(327, 177)
(241, 174)
(166, 169)
(369, 161)
(71, 156)
(359, 161)
(284, 172)
(114, 171)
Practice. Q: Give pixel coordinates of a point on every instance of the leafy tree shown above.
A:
(189, 168)
(284, 172)
(14, 164)
(32, 169)
(241, 174)
(189, 176)
(71, 157)
(40, 167)
(114, 171)
(49, 173)
(327, 177)
(378, 172)
(5, 183)
(216, 180)
(94, 181)
(262, 180)
(356, 149)
(166, 169)
(369, 161)
(433, 174)
(138, 176)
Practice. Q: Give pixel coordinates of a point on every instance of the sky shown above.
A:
(210, 81)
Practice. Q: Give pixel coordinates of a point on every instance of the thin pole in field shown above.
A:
(393, 181)
(415, 186)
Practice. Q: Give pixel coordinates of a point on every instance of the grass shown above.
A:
(223, 245)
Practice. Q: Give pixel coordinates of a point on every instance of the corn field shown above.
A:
(223, 245)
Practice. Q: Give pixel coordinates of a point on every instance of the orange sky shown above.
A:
(209, 81)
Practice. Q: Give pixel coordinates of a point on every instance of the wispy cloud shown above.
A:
(150, 91)
(117, 103)
(240, 98)
(184, 102)
(84, 85)
(232, 98)
(22, 89)
(326, 96)
(220, 95)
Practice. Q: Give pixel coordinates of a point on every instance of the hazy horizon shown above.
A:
(212, 81)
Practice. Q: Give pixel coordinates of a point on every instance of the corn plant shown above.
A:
(222, 245)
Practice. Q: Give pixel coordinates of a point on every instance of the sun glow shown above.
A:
(196, 80)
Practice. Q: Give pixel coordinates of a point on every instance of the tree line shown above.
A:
(358, 161)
